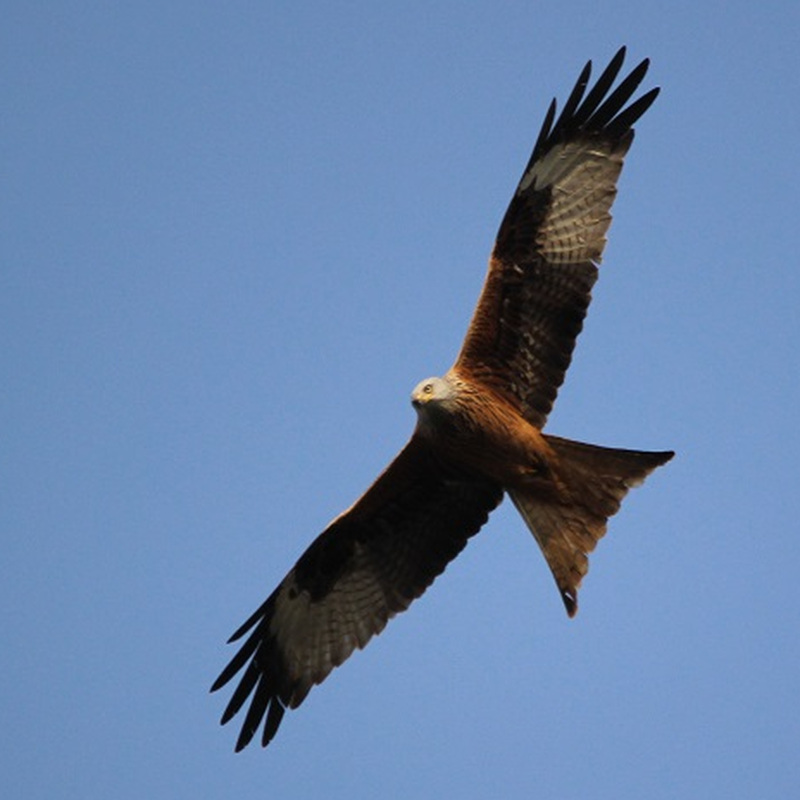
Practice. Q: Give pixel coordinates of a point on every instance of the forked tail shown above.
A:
(568, 523)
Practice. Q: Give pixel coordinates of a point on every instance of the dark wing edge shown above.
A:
(370, 563)
(544, 262)
(594, 115)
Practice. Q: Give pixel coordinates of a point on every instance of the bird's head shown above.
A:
(432, 393)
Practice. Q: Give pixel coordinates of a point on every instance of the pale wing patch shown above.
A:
(553, 165)
(582, 180)
(314, 637)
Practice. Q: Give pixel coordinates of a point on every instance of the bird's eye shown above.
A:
(428, 388)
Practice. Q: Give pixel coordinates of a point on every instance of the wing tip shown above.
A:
(599, 111)
(269, 713)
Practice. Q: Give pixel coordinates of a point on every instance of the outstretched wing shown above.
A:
(544, 261)
(370, 563)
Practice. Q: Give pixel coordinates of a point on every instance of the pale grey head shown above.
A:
(433, 394)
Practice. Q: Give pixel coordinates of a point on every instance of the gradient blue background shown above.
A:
(233, 236)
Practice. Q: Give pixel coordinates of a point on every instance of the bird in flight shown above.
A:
(479, 428)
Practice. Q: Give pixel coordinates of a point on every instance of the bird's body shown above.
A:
(564, 490)
(479, 432)
(452, 418)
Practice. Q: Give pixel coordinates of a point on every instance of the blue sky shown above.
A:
(233, 238)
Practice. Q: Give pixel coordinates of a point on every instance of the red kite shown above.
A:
(479, 428)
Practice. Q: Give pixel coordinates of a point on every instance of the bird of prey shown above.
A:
(479, 428)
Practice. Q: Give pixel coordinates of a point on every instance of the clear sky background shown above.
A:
(233, 236)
